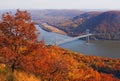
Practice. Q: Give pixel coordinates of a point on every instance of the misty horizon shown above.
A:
(61, 4)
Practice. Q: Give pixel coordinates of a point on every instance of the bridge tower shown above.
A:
(87, 38)
(55, 40)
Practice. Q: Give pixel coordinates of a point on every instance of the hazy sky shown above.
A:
(60, 4)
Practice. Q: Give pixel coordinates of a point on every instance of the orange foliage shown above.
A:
(18, 37)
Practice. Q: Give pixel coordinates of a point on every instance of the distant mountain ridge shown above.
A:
(105, 23)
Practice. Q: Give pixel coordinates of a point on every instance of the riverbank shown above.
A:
(49, 28)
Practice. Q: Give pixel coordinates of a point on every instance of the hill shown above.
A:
(54, 63)
(70, 25)
(53, 16)
(105, 25)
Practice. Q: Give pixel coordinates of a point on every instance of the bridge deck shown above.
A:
(74, 38)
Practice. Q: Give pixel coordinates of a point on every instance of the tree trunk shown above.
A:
(13, 66)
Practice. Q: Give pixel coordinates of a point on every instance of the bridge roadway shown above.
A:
(74, 38)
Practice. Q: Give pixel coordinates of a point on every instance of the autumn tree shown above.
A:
(18, 37)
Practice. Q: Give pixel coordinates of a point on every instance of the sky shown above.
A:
(60, 4)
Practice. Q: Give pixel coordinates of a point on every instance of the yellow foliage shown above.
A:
(22, 76)
(7, 75)
(2, 66)
(22, 49)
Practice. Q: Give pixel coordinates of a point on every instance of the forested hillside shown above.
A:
(104, 24)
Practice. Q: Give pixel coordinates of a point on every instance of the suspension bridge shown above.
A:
(87, 35)
(74, 38)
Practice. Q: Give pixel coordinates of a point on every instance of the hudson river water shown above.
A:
(98, 48)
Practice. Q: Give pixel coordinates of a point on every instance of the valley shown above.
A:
(104, 24)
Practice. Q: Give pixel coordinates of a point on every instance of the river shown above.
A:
(98, 48)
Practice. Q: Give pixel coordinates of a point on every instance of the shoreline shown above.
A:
(50, 28)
